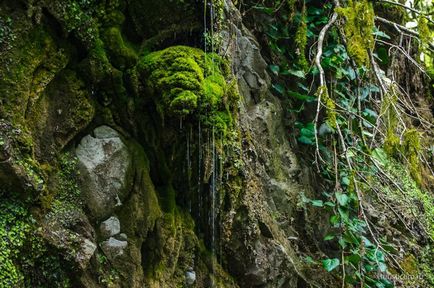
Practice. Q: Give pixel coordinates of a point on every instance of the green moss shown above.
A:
(122, 56)
(411, 148)
(413, 199)
(330, 107)
(14, 227)
(186, 82)
(301, 42)
(359, 26)
(389, 114)
(424, 32)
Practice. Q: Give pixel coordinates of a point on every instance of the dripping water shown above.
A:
(213, 200)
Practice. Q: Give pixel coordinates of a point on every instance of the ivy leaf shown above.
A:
(380, 156)
(342, 199)
(334, 220)
(329, 204)
(345, 181)
(279, 88)
(275, 69)
(296, 73)
(317, 203)
(329, 237)
(330, 264)
(305, 140)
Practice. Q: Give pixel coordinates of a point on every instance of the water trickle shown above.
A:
(189, 170)
(199, 168)
(213, 190)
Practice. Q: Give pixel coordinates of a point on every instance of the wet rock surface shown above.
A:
(105, 163)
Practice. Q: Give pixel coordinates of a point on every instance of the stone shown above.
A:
(190, 277)
(122, 237)
(86, 252)
(105, 165)
(110, 227)
(113, 248)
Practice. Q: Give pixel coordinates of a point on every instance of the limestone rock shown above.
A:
(105, 165)
(110, 227)
(190, 277)
(113, 248)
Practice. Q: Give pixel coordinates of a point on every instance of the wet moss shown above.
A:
(358, 28)
(122, 56)
(186, 82)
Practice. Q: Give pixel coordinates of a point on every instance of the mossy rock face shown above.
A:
(60, 113)
(184, 81)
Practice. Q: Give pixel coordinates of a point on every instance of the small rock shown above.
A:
(122, 237)
(105, 132)
(110, 227)
(113, 248)
(190, 277)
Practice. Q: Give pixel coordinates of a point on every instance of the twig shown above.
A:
(408, 8)
(400, 27)
(322, 80)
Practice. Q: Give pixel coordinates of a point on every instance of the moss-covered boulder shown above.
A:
(186, 82)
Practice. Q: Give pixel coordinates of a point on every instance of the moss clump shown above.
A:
(330, 107)
(121, 55)
(411, 147)
(186, 82)
(301, 42)
(424, 31)
(388, 110)
(359, 25)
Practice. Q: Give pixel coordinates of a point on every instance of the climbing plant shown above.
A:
(354, 117)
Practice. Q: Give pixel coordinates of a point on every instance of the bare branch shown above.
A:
(322, 80)
(408, 8)
(401, 28)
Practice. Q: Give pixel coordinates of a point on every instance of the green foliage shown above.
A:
(67, 202)
(14, 228)
(359, 26)
(6, 33)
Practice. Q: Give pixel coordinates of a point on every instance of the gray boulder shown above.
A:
(190, 277)
(113, 248)
(110, 227)
(105, 163)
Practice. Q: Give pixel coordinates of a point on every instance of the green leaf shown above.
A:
(342, 198)
(317, 203)
(380, 156)
(330, 264)
(334, 220)
(329, 204)
(275, 69)
(329, 237)
(279, 88)
(305, 140)
(354, 258)
(345, 181)
(296, 73)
